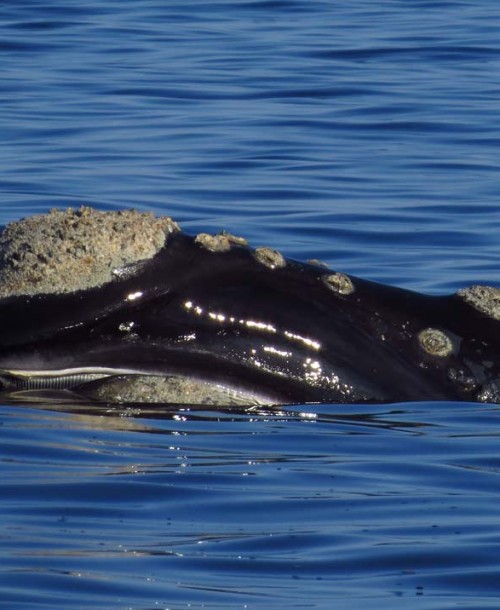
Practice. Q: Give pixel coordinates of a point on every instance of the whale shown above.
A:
(207, 319)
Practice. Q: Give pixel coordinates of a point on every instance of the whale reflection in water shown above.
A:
(124, 307)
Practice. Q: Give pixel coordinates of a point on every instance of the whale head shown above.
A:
(123, 306)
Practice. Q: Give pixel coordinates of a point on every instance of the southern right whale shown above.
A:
(124, 307)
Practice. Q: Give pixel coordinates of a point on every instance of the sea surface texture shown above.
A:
(363, 133)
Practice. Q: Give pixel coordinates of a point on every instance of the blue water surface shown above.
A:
(365, 134)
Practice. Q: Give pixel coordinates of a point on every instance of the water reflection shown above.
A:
(258, 507)
(409, 417)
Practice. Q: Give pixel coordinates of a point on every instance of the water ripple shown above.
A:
(364, 134)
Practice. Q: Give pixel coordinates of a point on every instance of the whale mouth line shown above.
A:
(127, 385)
(25, 374)
(62, 379)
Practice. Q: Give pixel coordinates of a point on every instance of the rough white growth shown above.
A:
(76, 249)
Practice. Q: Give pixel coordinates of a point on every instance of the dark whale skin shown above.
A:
(290, 331)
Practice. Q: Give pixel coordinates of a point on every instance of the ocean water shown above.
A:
(363, 133)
